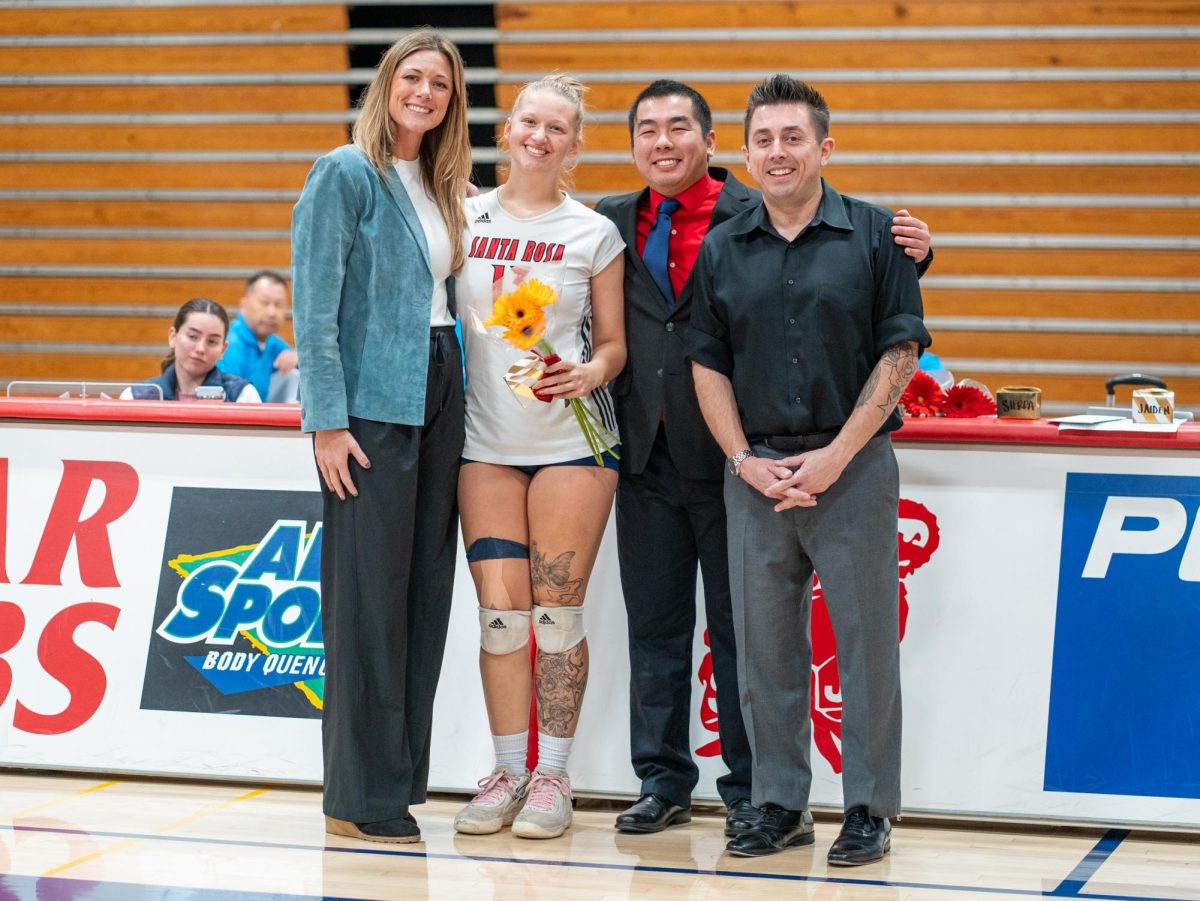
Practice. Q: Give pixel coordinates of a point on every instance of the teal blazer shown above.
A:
(361, 294)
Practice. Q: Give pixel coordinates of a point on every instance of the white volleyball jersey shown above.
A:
(564, 248)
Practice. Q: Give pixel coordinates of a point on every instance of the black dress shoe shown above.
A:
(398, 830)
(742, 816)
(652, 813)
(863, 839)
(775, 830)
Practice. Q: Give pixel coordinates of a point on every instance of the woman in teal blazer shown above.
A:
(375, 236)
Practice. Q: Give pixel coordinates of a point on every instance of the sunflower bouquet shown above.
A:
(521, 313)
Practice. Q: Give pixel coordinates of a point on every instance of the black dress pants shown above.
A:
(666, 524)
(387, 576)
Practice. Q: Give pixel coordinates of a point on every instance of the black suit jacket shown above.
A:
(657, 381)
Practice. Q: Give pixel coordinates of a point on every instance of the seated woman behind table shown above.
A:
(197, 340)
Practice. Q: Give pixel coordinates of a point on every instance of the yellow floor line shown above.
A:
(28, 810)
(208, 811)
(125, 843)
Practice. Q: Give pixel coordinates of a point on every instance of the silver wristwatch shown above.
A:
(734, 463)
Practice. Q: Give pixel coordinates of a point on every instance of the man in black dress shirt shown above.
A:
(806, 328)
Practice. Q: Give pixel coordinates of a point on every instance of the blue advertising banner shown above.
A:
(238, 615)
(1125, 686)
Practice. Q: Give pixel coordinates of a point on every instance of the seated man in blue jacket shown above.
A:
(256, 352)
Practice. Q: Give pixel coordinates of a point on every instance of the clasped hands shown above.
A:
(794, 481)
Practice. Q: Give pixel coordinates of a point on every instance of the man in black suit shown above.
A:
(670, 508)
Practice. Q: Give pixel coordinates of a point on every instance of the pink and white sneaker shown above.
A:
(547, 810)
(500, 797)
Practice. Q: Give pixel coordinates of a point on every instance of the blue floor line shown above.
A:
(1086, 869)
(1094, 859)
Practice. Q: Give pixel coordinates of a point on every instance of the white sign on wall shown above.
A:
(158, 614)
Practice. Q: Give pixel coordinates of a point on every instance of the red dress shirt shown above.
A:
(689, 225)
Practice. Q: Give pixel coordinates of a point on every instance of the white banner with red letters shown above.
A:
(159, 613)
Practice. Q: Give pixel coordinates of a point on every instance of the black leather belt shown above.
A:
(796, 442)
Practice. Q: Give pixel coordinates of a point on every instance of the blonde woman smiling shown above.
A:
(375, 237)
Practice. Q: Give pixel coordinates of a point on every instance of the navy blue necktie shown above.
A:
(657, 244)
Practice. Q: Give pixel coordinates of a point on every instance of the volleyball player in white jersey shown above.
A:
(533, 500)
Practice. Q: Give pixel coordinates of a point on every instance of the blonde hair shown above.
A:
(571, 90)
(445, 154)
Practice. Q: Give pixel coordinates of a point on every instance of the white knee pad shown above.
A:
(557, 629)
(503, 631)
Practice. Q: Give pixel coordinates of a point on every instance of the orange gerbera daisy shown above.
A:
(523, 322)
(520, 313)
(536, 291)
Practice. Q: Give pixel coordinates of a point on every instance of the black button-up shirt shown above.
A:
(799, 325)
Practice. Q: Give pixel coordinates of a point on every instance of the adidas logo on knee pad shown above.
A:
(559, 632)
(506, 631)
(503, 631)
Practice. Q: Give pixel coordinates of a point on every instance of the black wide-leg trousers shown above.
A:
(387, 575)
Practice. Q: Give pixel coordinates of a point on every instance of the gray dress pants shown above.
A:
(387, 577)
(850, 539)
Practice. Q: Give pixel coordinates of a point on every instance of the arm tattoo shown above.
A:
(561, 679)
(897, 364)
(554, 577)
(864, 396)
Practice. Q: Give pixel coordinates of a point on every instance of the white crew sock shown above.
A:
(511, 750)
(553, 752)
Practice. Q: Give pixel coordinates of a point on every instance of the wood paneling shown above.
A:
(799, 56)
(223, 136)
(1019, 304)
(132, 252)
(207, 58)
(108, 290)
(172, 98)
(1060, 220)
(1173, 349)
(94, 329)
(897, 181)
(1123, 95)
(1020, 261)
(173, 20)
(843, 13)
(101, 367)
(145, 214)
(267, 176)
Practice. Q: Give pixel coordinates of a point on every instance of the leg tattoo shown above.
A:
(561, 679)
(555, 577)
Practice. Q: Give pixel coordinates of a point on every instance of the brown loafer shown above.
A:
(396, 831)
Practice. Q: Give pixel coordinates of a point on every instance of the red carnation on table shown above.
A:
(966, 401)
(923, 396)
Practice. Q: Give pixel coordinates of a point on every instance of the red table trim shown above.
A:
(152, 411)
(984, 430)
(990, 430)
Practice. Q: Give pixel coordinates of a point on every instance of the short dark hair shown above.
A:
(782, 88)
(269, 274)
(666, 87)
